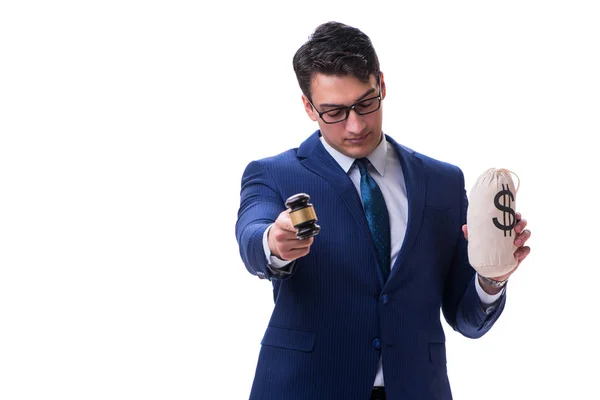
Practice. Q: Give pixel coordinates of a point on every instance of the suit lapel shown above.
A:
(314, 157)
(416, 181)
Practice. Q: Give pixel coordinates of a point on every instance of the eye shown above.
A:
(365, 104)
(335, 113)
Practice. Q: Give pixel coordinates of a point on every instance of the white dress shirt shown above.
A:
(386, 170)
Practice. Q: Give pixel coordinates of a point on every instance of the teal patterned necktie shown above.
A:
(377, 216)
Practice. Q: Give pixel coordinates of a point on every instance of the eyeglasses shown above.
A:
(339, 114)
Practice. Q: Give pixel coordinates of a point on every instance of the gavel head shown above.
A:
(303, 216)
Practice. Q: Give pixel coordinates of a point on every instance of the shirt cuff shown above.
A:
(487, 300)
(273, 261)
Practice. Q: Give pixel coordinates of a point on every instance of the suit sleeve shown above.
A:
(461, 305)
(260, 205)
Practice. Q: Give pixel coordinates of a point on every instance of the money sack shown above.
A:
(491, 218)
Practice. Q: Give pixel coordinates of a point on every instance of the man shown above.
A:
(357, 307)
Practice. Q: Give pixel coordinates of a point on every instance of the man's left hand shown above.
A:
(522, 251)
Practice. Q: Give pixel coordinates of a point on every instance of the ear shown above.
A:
(310, 111)
(382, 84)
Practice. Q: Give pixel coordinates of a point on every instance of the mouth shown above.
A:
(358, 139)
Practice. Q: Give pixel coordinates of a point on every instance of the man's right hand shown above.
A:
(283, 242)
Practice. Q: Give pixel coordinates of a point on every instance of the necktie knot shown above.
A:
(362, 164)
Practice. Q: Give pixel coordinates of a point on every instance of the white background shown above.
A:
(125, 127)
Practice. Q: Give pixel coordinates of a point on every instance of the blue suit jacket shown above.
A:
(335, 316)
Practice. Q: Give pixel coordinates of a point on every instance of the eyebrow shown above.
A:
(368, 92)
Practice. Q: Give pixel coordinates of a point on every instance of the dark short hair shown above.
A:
(335, 49)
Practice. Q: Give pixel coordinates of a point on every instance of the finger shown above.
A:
(287, 226)
(294, 253)
(307, 242)
(521, 253)
(284, 236)
(521, 224)
(296, 244)
(522, 238)
(284, 221)
(465, 231)
(302, 243)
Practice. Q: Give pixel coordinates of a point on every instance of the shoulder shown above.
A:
(280, 160)
(290, 159)
(272, 167)
(438, 166)
(436, 171)
(431, 165)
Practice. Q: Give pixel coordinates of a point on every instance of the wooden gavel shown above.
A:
(303, 216)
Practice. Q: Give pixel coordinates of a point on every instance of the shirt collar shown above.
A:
(376, 158)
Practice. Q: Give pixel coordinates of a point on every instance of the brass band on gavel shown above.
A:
(303, 216)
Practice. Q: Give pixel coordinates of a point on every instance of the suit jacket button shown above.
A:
(377, 344)
(385, 298)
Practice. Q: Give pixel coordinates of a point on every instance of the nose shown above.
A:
(355, 123)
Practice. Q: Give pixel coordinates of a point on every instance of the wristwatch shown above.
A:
(493, 282)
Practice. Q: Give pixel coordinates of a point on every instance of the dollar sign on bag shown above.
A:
(506, 195)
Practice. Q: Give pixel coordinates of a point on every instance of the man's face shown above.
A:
(358, 135)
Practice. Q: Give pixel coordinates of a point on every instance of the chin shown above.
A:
(362, 150)
(359, 153)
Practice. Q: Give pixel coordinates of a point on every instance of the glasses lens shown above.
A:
(368, 106)
(332, 116)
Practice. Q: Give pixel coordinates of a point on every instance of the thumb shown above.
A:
(285, 221)
(465, 231)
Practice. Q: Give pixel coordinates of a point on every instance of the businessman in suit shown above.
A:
(357, 307)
